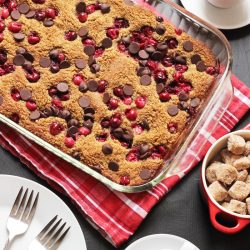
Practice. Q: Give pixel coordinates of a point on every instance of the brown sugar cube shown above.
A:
(248, 205)
(225, 205)
(217, 191)
(211, 171)
(239, 191)
(247, 148)
(242, 175)
(226, 174)
(228, 157)
(242, 163)
(236, 144)
(237, 207)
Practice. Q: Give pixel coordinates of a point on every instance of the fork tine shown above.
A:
(50, 232)
(54, 236)
(32, 210)
(22, 204)
(59, 240)
(16, 203)
(42, 233)
(27, 207)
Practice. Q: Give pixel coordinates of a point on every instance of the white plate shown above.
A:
(49, 205)
(233, 18)
(162, 242)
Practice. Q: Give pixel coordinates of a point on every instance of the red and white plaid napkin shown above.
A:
(115, 215)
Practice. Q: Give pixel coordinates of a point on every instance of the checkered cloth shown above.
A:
(115, 215)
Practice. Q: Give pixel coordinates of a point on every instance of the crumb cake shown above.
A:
(106, 82)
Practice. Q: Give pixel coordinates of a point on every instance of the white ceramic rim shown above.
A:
(204, 166)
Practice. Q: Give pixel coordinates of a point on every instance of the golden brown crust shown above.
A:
(117, 68)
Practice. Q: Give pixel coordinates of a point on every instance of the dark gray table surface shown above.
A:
(182, 212)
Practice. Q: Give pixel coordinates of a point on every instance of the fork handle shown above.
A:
(8, 242)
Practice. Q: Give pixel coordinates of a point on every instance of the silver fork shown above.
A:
(21, 215)
(50, 237)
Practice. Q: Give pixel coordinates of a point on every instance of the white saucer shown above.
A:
(233, 18)
(49, 205)
(162, 242)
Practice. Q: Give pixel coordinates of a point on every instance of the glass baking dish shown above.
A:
(212, 109)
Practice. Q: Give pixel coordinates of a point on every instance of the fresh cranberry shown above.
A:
(70, 35)
(160, 76)
(132, 155)
(3, 56)
(5, 13)
(57, 103)
(14, 27)
(50, 13)
(181, 68)
(140, 102)
(172, 43)
(31, 105)
(185, 87)
(54, 67)
(152, 65)
(39, 1)
(69, 142)
(138, 129)
(33, 77)
(83, 17)
(2, 1)
(211, 71)
(167, 61)
(151, 41)
(113, 103)
(147, 31)
(99, 52)
(113, 33)
(61, 57)
(102, 85)
(90, 9)
(127, 100)
(40, 15)
(88, 41)
(78, 79)
(1, 37)
(125, 180)
(105, 123)
(178, 31)
(98, 6)
(118, 91)
(15, 117)
(2, 26)
(64, 97)
(121, 47)
(12, 5)
(33, 37)
(172, 127)
(178, 76)
(115, 122)
(84, 131)
(121, 23)
(55, 128)
(102, 137)
(164, 97)
(15, 94)
(52, 91)
(6, 69)
(131, 114)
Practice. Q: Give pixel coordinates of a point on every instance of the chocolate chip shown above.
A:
(46, 113)
(89, 50)
(195, 102)
(91, 60)
(126, 40)
(145, 174)
(18, 36)
(129, 2)
(29, 57)
(173, 110)
(145, 124)
(82, 32)
(65, 114)
(143, 148)
(105, 8)
(21, 51)
(113, 166)
(118, 133)
(188, 46)
(143, 71)
(76, 155)
(30, 14)
(180, 60)
(128, 90)
(80, 63)
(62, 87)
(89, 110)
(73, 122)
(1, 100)
(183, 105)
(162, 46)
(88, 116)
(34, 115)
(128, 135)
(15, 15)
(157, 55)
(159, 19)
(145, 80)
(25, 94)
(195, 58)
(97, 168)
(107, 42)
(84, 102)
(64, 64)
(107, 149)
(44, 62)
(54, 54)
(55, 111)
(143, 54)
(72, 131)
(200, 66)
(19, 60)
(183, 96)
(106, 98)
(88, 124)
(160, 87)
(160, 29)
(81, 7)
(48, 22)
(134, 48)
(143, 63)
(23, 8)
(83, 87)
(92, 85)
(95, 68)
